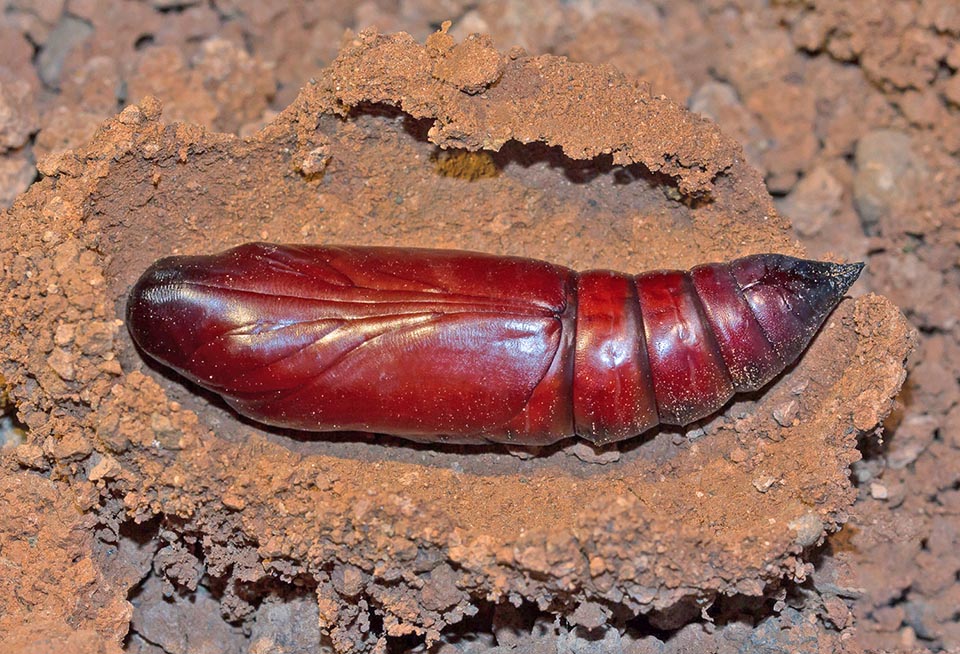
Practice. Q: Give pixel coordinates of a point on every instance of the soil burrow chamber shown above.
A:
(142, 487)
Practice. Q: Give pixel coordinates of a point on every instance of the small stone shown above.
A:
(863, 471)
(86, 495)
(347, 580)
(164, 431)
(233, 501)
(763, 483)
(65, 257)
(904, 454)
(590, 453)
(66, 35)
(151, 107)
(837, 611)
(878, 491)
(440, 589)
(809, 528)
(63, 335)
(16, 175)
(131, 115)
(111, 367)
(315, 162)
(597, 566)
(523, 452)
(106, 468)
(30, 456)
(325, 481)
(516, 52)
(589, 615)
(786, 414)
(889, 173)
(97, 337)
(62, 363)
(72, 445)
(18, 113)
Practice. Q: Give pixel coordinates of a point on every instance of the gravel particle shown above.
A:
(763, 483)
(30, 456)
(889, 173)
(18, 113)
(62, 363)
(589, 453)
(786, 414)
(597, 566)
(67, 34)
(440, 590)
(878, 491)
(131, 115)
(809, 528)
(106, 468)
(315, 161)
(233, 501)
(16, 174)
(64, 334)
(589, 615)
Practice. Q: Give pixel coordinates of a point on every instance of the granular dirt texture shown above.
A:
(392, 543)
(56, 590)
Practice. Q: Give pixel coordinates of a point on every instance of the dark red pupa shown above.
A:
(450, 346)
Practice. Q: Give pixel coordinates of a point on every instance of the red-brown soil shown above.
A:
(140, 515)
